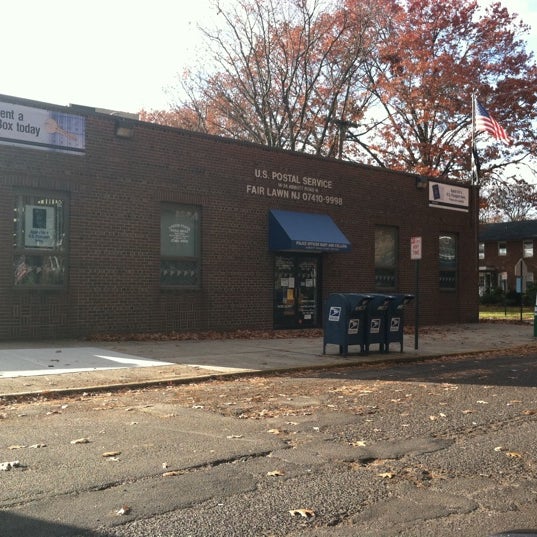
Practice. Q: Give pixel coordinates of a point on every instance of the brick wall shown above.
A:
(115, 193)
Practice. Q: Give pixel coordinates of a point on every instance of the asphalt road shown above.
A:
(439, 448)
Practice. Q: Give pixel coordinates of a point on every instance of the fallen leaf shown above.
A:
(80, 441)
(231, 436)
(111, 453)
(37, 446)
(386, 475)
(500, 448)
(123, 510)
(514, 454)
(306, 513)
(482, 402)
(529, 412)
(275, 473)
(172, 473)
(6, 466)
(358, 443)
(274, 431)
(16, 446)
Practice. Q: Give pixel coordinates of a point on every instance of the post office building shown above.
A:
(113, 225)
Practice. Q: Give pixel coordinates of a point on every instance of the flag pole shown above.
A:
(474, 159)
(475, 191)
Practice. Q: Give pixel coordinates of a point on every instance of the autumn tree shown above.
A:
(386, 82)
(511, 200)
(283, 73)
(431, 58)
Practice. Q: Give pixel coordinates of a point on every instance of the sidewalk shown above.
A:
(79, 366)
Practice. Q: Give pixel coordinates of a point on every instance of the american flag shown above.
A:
(485, 122)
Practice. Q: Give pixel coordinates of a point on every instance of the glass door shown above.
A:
(296, 291)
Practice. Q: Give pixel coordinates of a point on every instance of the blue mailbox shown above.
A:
(377, 320)
(395, 323)
(345, 321)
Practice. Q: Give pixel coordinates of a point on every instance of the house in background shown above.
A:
(506, 256)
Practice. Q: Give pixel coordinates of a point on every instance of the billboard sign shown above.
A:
(42, 129)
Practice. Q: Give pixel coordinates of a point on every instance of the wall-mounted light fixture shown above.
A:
(421, 183)
(124, 129)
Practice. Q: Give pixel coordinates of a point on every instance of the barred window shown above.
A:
(447, 259)
(180, 246)
(385, 257)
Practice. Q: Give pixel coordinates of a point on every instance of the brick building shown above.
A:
(506, 259)
(113, 225)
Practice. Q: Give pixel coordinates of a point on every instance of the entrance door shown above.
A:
(296, 291)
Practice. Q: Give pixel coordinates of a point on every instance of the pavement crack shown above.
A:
(111, 485)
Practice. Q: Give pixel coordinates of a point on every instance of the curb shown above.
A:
(174, 381)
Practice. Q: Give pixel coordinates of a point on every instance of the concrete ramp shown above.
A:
(53, 361)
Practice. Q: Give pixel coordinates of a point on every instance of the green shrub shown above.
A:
(531, 291)
(492, 297)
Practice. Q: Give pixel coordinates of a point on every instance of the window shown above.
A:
(447, 259)
(39, 240)
(180, 246)
(528, 248)
(385, 257)
(502, 248)
(481, 250)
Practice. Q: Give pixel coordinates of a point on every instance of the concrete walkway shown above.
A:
(67, 366)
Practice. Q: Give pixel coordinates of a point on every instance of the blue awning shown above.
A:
(291, 231)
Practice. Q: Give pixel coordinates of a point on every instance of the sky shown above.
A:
(121, 55)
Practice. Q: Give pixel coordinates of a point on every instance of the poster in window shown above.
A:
(40, 226)
(179, 229)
